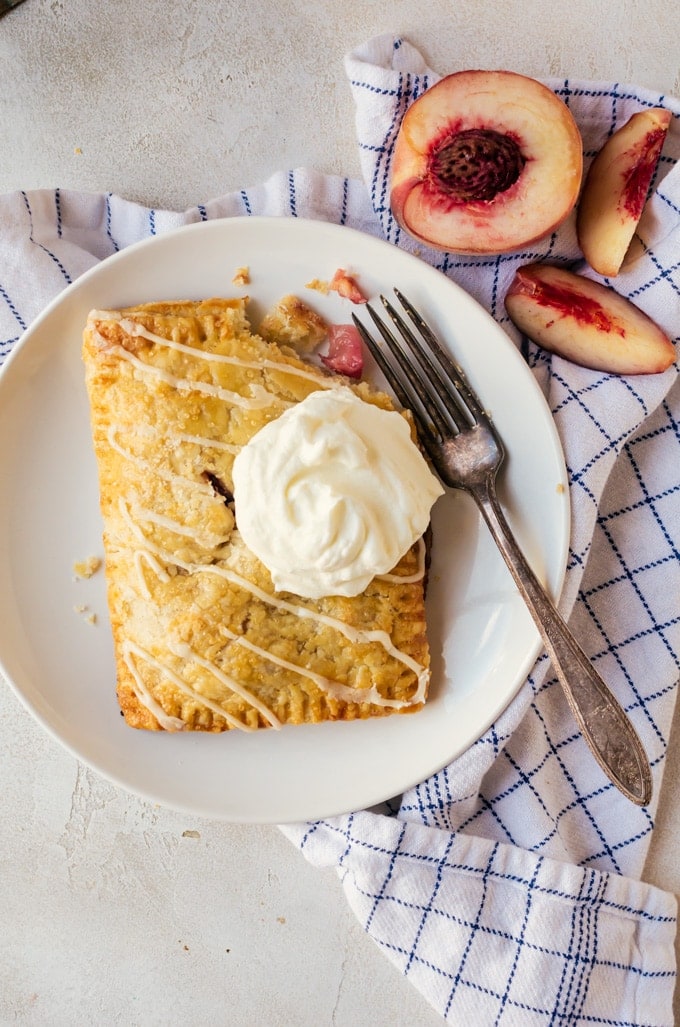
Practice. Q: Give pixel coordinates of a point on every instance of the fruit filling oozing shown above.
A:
(475, 165)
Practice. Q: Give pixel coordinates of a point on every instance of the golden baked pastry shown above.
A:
(202, 640)
(290, 322)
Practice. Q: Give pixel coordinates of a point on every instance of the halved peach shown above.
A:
(616, 189)
(586, 322)
(485, 162)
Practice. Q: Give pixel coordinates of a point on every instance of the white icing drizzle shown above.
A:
(142, 555)
(134, 328)
(104, 315)
(147, 699)
(355, 635)
(333, 688)
(258, 399)
(143, 693)
(185, 652)
(151, 517)
(408, 579)
(204, 441)
(160, 472)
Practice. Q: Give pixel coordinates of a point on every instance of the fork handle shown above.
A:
(603, 722)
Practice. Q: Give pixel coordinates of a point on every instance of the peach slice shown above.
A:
(616, 189)
(586, 322)
(485, 162)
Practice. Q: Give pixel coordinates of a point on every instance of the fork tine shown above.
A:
(462, 415)
(454, 371)
(425, 435)
(411, 381)
(382, 362)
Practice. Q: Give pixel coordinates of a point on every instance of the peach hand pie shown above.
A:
(254, 578)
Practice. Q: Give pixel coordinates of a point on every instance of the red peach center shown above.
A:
(568, 302)
(637, 183)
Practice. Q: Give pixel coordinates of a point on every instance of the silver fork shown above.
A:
(467, 452)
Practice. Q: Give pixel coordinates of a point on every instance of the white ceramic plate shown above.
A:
(61, 666)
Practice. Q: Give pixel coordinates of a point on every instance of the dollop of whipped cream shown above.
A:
(331, 493)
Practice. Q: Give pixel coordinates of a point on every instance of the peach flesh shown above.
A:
(586, 322)
(485, 162)
(616, 189)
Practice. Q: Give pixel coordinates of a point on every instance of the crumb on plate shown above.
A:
(86, 568)
(319, 285)
(290, 322)
(241, 276)
(84, 611)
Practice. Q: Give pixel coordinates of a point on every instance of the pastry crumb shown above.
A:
(560, 489)
(241, 276)
(86, 568)
(84, 611)
(290, 322)
(319, 285)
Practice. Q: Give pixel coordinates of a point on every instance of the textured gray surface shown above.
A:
(176, 103)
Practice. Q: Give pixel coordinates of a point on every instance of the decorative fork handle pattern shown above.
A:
(603, 722)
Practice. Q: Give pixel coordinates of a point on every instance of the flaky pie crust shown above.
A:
(202, 641)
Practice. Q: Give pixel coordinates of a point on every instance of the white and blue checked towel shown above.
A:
(506, 887)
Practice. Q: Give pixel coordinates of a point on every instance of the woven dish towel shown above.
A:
(507, 886)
